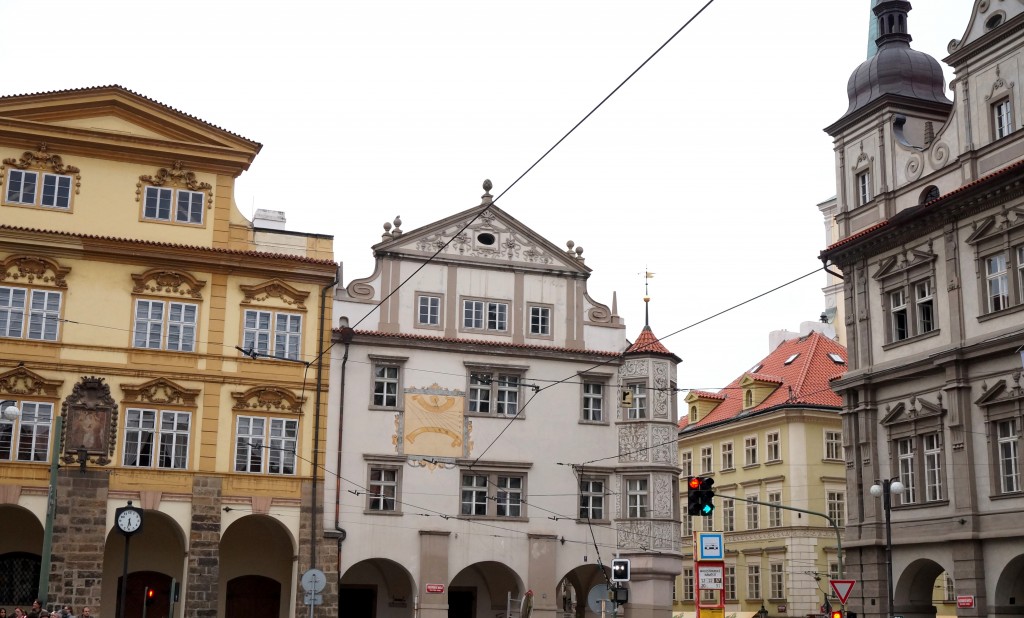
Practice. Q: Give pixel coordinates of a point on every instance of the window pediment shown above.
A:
(34, 270)
(168, 282)
(160, 391)
(21, 381)
(1000, 392)
(176, 176)
(995, 225)
(268, 399)
(45, 161)
(904, 262)
(275, 288)
(916, 410)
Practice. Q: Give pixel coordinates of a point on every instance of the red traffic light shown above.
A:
(836, 613)
(694, 482)
(151, 592)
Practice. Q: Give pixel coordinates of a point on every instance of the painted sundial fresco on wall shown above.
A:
(434, 423)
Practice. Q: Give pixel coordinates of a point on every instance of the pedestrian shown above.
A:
(36, 607)
(86, 613)
(3, 612)
(66, 612)
(19, 613)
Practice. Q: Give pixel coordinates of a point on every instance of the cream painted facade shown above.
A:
(476, 408)
(129, 278)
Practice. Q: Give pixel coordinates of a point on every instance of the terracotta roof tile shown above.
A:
(803, 382)
(647, 343)
(708, 394)
(482, 342)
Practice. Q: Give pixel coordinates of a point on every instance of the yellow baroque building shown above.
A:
(165, 350)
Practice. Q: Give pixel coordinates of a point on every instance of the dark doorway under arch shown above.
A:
(145, 588)
(252, 595)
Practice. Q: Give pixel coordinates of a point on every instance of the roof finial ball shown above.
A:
(488, 185)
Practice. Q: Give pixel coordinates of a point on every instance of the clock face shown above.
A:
(129, 521)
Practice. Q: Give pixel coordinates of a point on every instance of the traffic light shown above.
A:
(620, 570)
(836, 613)
(699, 496)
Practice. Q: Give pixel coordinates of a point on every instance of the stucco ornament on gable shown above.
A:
(176, 176)
(35, 270)
(275, 288)
(161, 391)
(21, 381)
(265, 398)
(43, 160)
(162, 281)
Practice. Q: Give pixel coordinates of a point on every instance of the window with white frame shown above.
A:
(156, 438)
(925, 305)
(687, 527)
(727, 463)
(638, 409)
(508, 496)
(265, 445)
(173, 205)
(898, 315)
(484, 315)
(636, 498)
(753, 513)
(753, 581)
(593, 401)
(41, 307)
(948, 588)
(592, 498)
(730, 582)
(270, 333)
(387, 382)
(1020, 274)
(777, 581)
(1009, 457)
(27, 437)
(705, 460)
(835, 506)
(932, 467)
(494, 393)
(774, 512)
(905, 457)
(493, 494)
(686, 463)
(833, 445)
(1002, 118)
(31, 188)
(750, 451)
(687, 583)
(863, 188)
(161, 325)
(428, 310)
(773, 446)
(708, 522)
(540, 321)
(382, 489)
(908, 292)
(997, 282)
(728, 515)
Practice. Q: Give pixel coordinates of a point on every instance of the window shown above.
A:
(753, 581)
(728, 515)
(686, 463)
(638, 409)
(789, 361)
(485, 315)
(773, 446)
(750, 451)
(265, 444)
(23, 188)
(1009, 460)
(776, 581)
(636, 498)
(833, 445)
(152, 444)
(835, 506)
(863, 188)
(687, 583)
(774, 512)
(905, 457)
(730, 583)
(1020, 273)
(705, 460)
(753, 514)
(593, 401)
(382, 490)
(506, 491)
(500, 388)
(1002, 118)
(273, 334)
(687, 526)
(592, 498)
(27, 438)
(385, 385)
(151, 317)
(925, 306)
(693, 414)
(727, 456)
(932, 467)
(898, 314)
(429, 310)
(997, 283)
(188, 205)
(948, 588)
(43, 310)
(540, 321)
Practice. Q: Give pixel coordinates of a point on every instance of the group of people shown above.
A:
(37, 611)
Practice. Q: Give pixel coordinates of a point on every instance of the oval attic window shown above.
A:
(485, 238)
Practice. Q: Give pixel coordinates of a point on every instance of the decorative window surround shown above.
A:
(907, 282)
(39, 179)
(170, 189)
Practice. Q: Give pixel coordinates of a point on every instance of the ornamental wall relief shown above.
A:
(171, 282)
(43, 161)
(34, 270)
(633, 442)
(176, 176)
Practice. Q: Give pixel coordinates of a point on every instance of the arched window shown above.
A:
(930, 193)
(748, 399)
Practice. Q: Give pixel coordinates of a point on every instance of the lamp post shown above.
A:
(885, 489)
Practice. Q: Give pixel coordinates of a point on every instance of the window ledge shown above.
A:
(773, 462)
(429, 326)
(598, 423)
(383, 513)
(603, 522)
(920, 505)
(492, 518)
(729, 469)
(506, 417)
(902, 342)
(751, 466)
(833, 461)
(998, 314)
(1009, 495)
(384, 408)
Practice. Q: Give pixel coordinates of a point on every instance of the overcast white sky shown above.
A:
(705, 168)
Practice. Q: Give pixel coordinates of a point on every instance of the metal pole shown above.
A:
(887, 507)
(51, 508)
(124, 575)
(316, 424)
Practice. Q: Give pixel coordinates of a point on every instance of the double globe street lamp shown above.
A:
(884, 490)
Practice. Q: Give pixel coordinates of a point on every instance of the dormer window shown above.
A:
(836, 358)
(748, 399)
(693, 414)
(789, 361)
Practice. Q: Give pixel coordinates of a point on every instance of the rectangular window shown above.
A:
(898, 315)
(1009, 461)
(636, 498)
(180, 318)
(385, 386)
(43, 313)
(507, 492)
(750, 451)
(708, 523)
(727, 456)
(686, 463)
(508, 394)
(485, 315)
(925, 300)
(23, 188)
(730, 583)
(272, 334)
(265, 445)
(188, 205)
(382, 494)
(56, 191)
(864, 188)
(774, 512)
(773, 446)
(835, 506)
(1002, 118)
(753, 514)
(638, 409)
(687, 528)
(501, 388)
(728, 515)
(148, 444)
(249, 436)
(27, 438)
(429, 312)
(777, 581)
(997, 283)
(833, 445)
(705, 460)
(284, 434)
(540, 321)
(480, 392)
(593, 401)
(474, 494)
(591, 498)
(158, 204)
(753, 581)
(932, 467)
(509, 496)
(1020, 273)
(905, 459)
(687, 584)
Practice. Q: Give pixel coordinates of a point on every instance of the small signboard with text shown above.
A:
(435, 588)
(965, 601)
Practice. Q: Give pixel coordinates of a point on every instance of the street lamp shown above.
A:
(885, 491)
(10, 410)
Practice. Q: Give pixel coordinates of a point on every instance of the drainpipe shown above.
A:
(346, 337)
(316, 417)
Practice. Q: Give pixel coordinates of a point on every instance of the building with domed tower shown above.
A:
(929, 241)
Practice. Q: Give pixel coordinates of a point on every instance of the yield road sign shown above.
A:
(842, 588)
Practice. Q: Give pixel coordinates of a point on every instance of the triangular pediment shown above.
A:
(918, 409)
(492, 237)
(908, 260)
(996, 225)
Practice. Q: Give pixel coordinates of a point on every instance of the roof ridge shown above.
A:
(815, 338)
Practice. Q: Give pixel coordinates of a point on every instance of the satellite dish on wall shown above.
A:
(597, 594)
